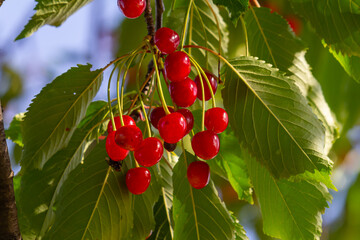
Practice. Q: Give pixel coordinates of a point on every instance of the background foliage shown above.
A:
(290, 88)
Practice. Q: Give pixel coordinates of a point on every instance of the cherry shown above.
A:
(149, 152)
(213, 83)
(158, 113)
(183, 93)
(167, 40)
(115, 152)
(127, 121)
(198, 174)
(172, 127)
(216, 119)
(138, 180)
(177, 66)
(295, 24)
(206, 144)
(170, 147)
(189, 119)
(132, 8)
(128, 137)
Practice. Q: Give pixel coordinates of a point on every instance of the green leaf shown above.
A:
(55, 112)
(40, 188)
(272, 119)
(162, 228)
(51, 12)
(94, 202)
(290, 210)
(335, 21)
(202, 30)
(198, 212)
(232, 164)
(350, 64)
(234, 7)
(14, 131)
(271, 39)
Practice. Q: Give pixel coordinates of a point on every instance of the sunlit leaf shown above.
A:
(55, 112)
(271, 39)
(273, 120)
(234, 7)
(51, 12)
(198, 213)
(14, 131)
(290, 210)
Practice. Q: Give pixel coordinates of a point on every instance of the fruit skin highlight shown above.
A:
(132, 8)
(198, 174)
(166, 40)
(149, 152)
(177, 66)
(206, 144)
(138, 180)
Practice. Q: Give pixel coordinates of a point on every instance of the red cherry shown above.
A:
(115, 152)
(177, 66)
(216, 119)
(183, 93)
(198, 174)
(158, 113)
(189, 119)
(138, 180)
(132, 8)
(295, 24)
(127, 121)
(128, 137)
(172, 127)
(213, 83)
(206, 144)
(167, 40)
(149, 152)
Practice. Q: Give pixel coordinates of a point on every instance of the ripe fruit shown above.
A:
(158, 113)
(127, 121)
(189, 119)
(128, 137)
(216, 119)
(149, 152)
(177, 66)
(213, 83)
(115, 152)
(138, 180)
(198, 174)
(170, 147)
(132, 8)
(295, 24)
(206, 144)
(172, 127)
(167, 40)
(183, 93)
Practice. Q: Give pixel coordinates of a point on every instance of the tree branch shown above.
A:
(149, 20)
(9, 227)
(159, 13)
(1, 2)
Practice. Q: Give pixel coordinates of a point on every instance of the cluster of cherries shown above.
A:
(172, 125)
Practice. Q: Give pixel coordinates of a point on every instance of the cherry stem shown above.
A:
(203, 96)
(167, 162)
(257, 4)
(202, 72)
(160, 91)
(185, 24)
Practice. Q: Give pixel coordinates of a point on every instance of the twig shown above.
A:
(9, 227)
(1, 2)
(159, 13)
(149, 21)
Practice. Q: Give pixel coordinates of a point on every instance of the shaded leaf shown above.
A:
(14, 131)
(234, 7)
(290, 210)
(338, 22)
(40, 188)
(55, 112)
(350, 64)
(198, 212)
(271, 39)
(94, 202)
(51, 12)
(272, 119)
